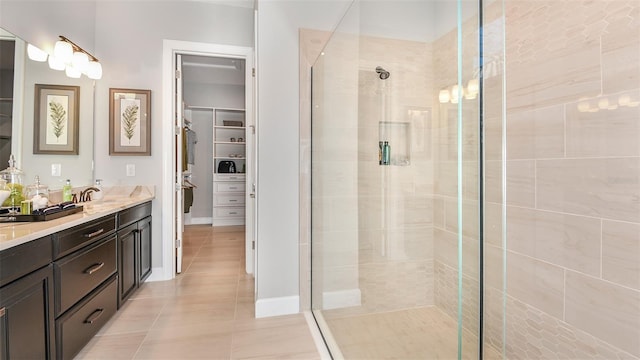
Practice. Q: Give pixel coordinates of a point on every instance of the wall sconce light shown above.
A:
(458, 92)
(69, 57)
(36, 54)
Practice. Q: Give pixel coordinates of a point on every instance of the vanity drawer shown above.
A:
(228, 212)
(73, 239)
(20, 260)
(222, 187)
(76, 328)
(77, 274)
(229, 177)
(228, 200)
(131, 215)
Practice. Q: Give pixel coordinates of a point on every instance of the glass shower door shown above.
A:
(395, 182)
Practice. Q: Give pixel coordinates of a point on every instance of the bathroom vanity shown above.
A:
(62, 280)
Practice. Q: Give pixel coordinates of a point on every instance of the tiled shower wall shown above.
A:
(572, 184)
(395, 205)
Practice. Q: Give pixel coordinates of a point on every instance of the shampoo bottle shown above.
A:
(66, 191)
(386, 153)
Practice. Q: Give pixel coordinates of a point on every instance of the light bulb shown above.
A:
(72, 72)
(473, 87)
(94, 70)
(583, 106)
(63, 51)
(55, 63)
(624, 100)
(36, 54)
(80, 61)
(444, 96)
(603, 103)
(457, 92)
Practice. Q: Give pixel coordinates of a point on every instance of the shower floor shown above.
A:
(418, 333)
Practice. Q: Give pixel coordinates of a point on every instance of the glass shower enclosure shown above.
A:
(475, 180)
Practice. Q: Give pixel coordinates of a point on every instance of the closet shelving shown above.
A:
(229, 135)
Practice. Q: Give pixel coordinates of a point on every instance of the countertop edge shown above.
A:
(56, 225)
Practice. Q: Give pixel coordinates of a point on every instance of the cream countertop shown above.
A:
(114, 199)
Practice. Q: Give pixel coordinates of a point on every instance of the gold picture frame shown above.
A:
(56, 119)
(129, 122)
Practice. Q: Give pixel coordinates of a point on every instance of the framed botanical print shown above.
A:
(129, 122)
(56, 119)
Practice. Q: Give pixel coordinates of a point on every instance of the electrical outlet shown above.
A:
(131, 170)
(56, 170)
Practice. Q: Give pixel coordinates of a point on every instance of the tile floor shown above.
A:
(417, 333)
(207, 312)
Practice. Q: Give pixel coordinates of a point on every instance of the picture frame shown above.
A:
(56, 119)
(129, 122)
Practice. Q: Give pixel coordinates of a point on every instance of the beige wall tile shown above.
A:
(621, 253)
(562, 239)
(608, 188)
(494, 260)
(493, 223)
(445, 247)
(536, 134)
(554, 80)
(605, 310)
(607, 132)
(621, 50)
(521, 182)
(535, 282)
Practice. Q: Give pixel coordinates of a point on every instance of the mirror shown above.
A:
(17, 116)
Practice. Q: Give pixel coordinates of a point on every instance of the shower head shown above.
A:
(384, 74)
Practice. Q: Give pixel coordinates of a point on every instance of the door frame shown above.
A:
(169, 49)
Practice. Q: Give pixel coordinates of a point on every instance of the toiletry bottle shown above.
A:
(380, 143)
(66, 191)
(386, 153)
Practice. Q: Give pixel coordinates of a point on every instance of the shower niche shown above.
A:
(397, 135)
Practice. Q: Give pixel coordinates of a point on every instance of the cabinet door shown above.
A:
(144, 237)
(26, 317)
(127, 262)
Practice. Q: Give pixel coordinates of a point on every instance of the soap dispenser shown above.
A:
(67, 190)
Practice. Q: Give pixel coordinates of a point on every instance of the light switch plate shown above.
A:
(131, 170)
(56, 170)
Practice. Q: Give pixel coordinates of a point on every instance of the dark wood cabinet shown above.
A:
(134, 249)
(144, 234)
(26, 317)
(56, 292)
(127, 261)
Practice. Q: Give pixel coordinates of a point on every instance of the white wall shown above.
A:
(278, 144)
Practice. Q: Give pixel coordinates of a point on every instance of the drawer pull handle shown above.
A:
(94, 268)
(233, 200)
(233, 187)
(233, 213)
(94, 316)
(2, 311)
(95, 233)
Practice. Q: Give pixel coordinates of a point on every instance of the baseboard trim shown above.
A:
(199, 221)
(157, 275)
(286, 305)
(341, 299)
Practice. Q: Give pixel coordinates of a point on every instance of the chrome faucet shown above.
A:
(85, 195)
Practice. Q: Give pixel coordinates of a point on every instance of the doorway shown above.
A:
(211, 65)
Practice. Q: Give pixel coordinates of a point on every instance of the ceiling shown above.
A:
(197, 69)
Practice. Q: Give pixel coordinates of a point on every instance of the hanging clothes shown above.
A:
(192, 140)
(185, 167)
